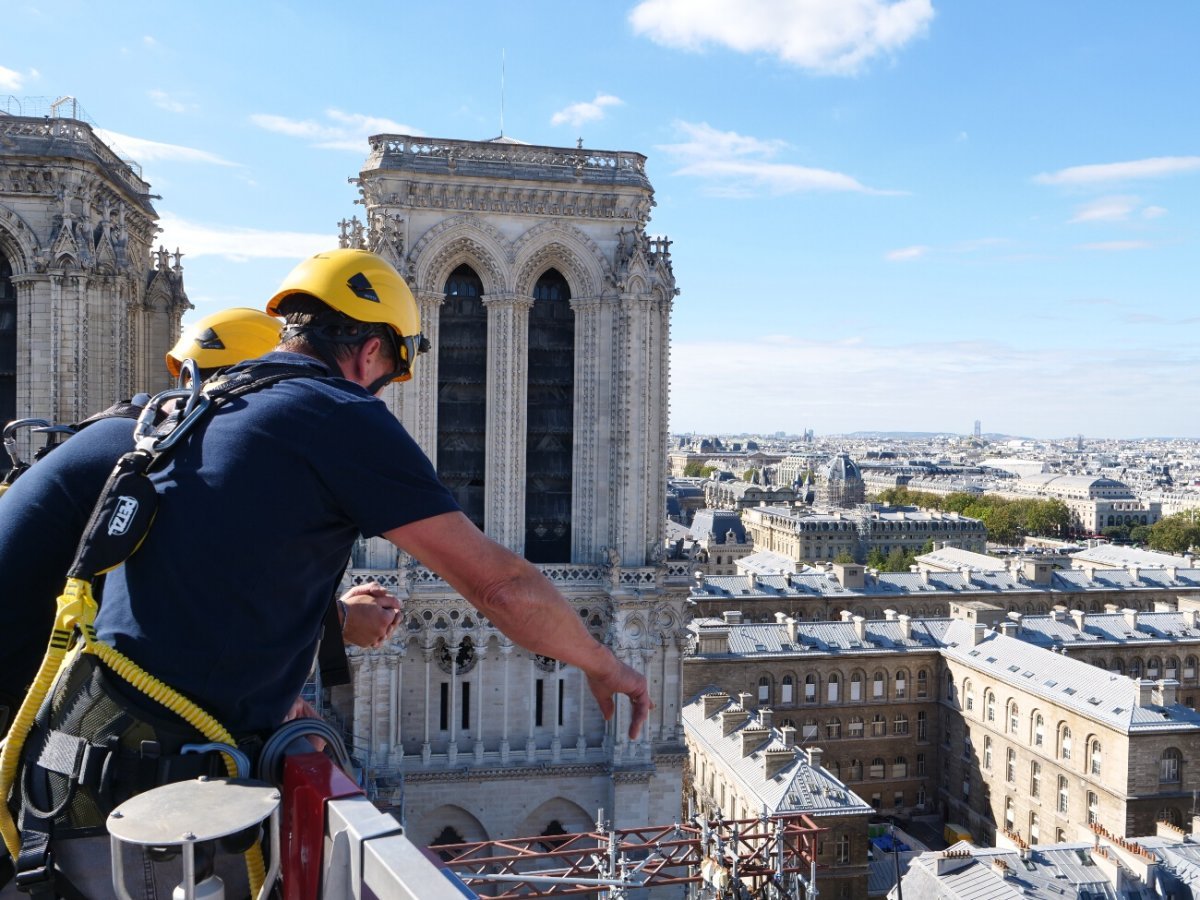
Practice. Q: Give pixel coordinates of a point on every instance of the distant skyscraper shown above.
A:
(978, 428)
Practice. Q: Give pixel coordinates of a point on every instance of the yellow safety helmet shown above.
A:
(365, 287)
(225, 338)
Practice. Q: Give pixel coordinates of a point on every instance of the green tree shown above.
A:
(898, 561)
(876, 559)
(1116, 532)
(749, 474)
(1140, 534)
(1175, 534)
(1003, 524)
(697, 469)
(844, 558)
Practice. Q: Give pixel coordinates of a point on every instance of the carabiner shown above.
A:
(10, 436)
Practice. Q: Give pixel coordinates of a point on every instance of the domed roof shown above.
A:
(841, 468)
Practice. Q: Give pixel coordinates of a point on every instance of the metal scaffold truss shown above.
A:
(770, 858)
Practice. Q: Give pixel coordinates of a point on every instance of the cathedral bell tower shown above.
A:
(543, 404)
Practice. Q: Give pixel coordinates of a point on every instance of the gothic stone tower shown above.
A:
(85, 315)
(543, 403)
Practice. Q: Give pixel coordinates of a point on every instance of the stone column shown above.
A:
(33, 344)
(362, 700)
(581, 737)
(592, 428)
(414, 402)
(452, 749)
(506, 649)
(426, 749)
(531, 741)
(397, 732)
(556, 741)
(480, 681)
(507, 371)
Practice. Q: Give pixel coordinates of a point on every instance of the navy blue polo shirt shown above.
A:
(42, 516)
(259, 507)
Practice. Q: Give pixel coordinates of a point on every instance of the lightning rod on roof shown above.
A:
(501, 92)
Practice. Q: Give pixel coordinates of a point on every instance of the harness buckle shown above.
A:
(38, 875)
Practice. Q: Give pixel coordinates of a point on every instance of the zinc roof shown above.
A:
(797, 787)
(1049, 872)
(1100, 695)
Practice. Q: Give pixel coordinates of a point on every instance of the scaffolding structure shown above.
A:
(770, 858)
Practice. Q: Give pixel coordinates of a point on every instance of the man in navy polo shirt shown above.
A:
(43, 513)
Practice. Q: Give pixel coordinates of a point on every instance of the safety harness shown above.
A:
(71, 780)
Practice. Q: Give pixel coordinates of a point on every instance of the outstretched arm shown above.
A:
(523, 604)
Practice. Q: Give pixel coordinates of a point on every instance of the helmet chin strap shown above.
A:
(378, 384)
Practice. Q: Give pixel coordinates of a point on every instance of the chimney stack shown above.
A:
(775, 760)
(860, 628)
(815, 757)
(793, 631)
(1189, 618)
(788, 735)
(905, 626)
(732, 719)
(714, 639)
(710, 703)
(1135, 573)
(752, 738)
(1131, 618)
(732, 616)
(1145, 692)
(1167, 692)
(1080, 618)
(889, 615)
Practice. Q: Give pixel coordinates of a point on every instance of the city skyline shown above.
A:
(886, 216)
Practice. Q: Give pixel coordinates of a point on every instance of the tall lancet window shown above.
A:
(551, 407)
(462, 391)
(8, 344)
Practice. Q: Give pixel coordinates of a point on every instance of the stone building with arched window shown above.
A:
(543, 404)
(86, 309)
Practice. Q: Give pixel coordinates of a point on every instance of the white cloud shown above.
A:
(163, 100)
(916, 251)
(149, 40)
(827, 36)
(1153, 212)
(906, 253)
(736, 165)
(239, 244)
(1106, 209)
(1115, 246)
(11, 80)
(144, 151)
(578, 113)
(1154, 167)
(342, 131)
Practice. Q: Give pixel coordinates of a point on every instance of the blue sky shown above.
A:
(899, 215)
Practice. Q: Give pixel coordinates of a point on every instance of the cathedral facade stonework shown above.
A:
(543, 403)
(86, 309)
